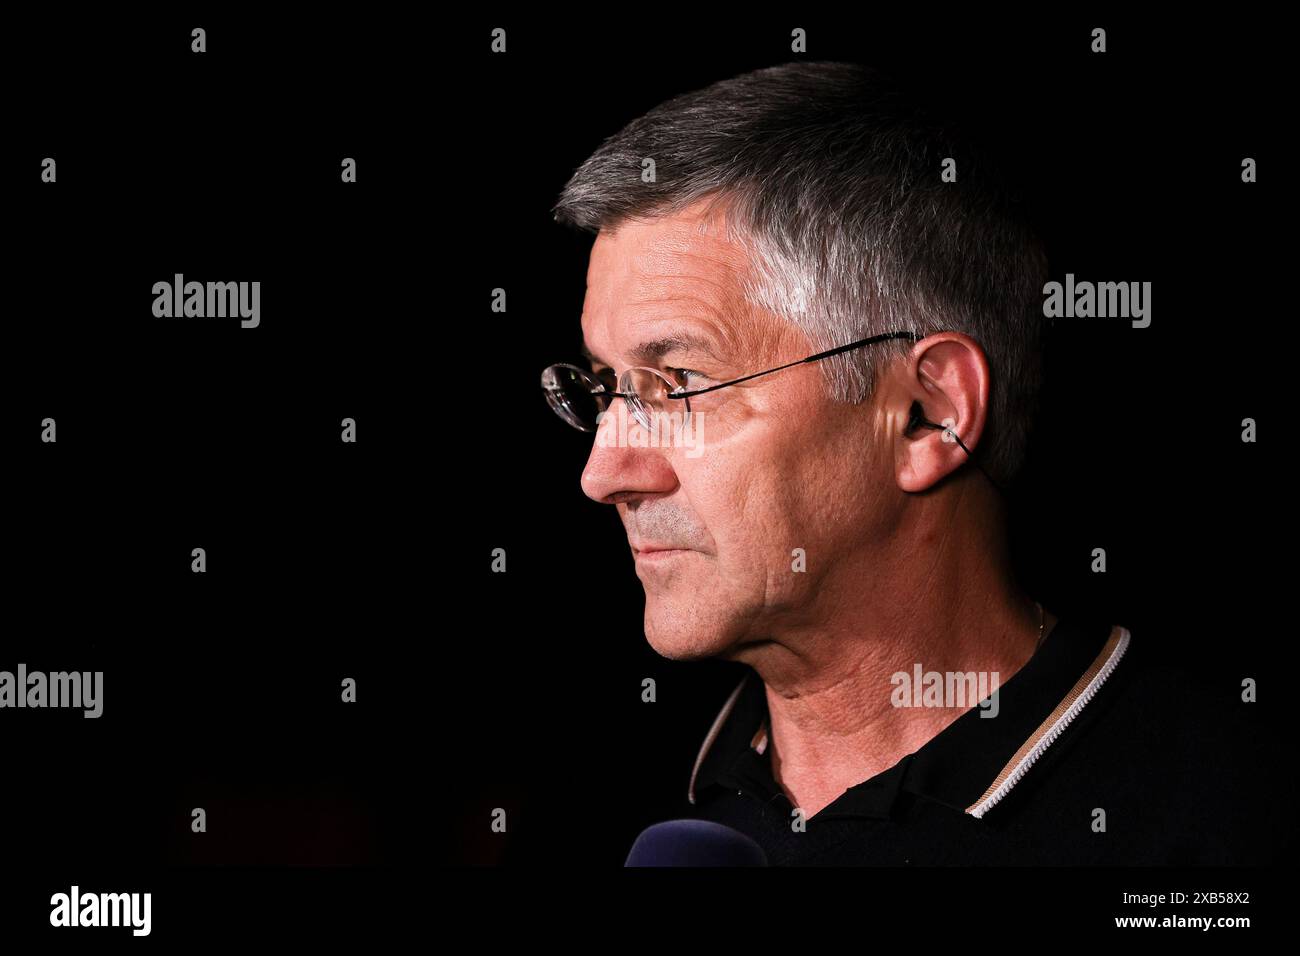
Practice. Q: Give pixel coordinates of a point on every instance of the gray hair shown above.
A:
(830, 177)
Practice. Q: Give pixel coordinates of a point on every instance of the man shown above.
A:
(814, 359)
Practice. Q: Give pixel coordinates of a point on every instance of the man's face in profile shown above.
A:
(779, 466)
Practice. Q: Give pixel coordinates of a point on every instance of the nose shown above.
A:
(623, 463)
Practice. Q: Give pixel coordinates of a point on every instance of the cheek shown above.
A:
(784, 480)
(808, 502)
(837, 504)
(750, 507)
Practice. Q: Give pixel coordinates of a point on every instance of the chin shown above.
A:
(684, 637)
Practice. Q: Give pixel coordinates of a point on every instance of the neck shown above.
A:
(951, 606)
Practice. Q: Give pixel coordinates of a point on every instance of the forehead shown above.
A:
(653, 279)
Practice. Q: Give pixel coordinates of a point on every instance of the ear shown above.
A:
(948, 375)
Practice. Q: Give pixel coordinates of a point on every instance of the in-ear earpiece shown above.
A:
(915, 418)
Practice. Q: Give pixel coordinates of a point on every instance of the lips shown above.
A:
(652, 548)
(662, 556)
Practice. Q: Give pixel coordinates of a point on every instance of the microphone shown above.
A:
(694, 843)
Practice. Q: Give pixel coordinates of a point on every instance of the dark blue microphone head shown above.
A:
(694, 843)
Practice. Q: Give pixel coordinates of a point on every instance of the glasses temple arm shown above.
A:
(853, 345)
(812, 358)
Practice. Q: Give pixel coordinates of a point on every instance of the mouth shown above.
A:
(659, 554)
(656, 553)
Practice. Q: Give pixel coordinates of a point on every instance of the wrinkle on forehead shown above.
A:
(684, 262)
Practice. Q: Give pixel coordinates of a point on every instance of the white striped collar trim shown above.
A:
(1084, 689)
(714, 731)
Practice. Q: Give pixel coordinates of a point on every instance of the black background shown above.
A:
(325, 560)
(221, 690)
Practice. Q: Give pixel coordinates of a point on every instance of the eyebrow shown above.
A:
(652, 351)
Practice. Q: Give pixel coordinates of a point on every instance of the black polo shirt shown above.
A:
(1095, 757)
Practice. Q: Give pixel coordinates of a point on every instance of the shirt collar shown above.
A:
(969, 766)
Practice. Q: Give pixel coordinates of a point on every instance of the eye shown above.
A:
(684, 376)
